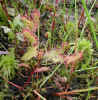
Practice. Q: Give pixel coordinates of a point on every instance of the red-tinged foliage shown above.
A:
(31, 25)
(53, 25)
(35, 16)
(60, 82)
(30, 36)
(42, 69)
(81, 17)
(36, 70)
(28, 23)
(29, 78)
(35, 13)
(32, 22)
(24, 65)
(15, 85)
(73, 59)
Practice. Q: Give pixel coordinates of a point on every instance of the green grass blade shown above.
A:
(90, 22)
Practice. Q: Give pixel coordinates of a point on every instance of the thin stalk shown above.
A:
(15, 85)
(76, 91)
(89, 92)
(76, 17)
(91, 68)
(38, 33)
(39, 95)
(48, 77)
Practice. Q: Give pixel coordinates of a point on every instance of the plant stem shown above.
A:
(48, 77)
(90, 22)
(39, 95)
(76, 91)
(86, 69)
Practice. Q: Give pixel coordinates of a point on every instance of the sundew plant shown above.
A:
(48, 50)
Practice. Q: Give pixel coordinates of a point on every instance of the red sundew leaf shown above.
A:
(42, 69)
(72, 59)
(56, 55)
(32, 22)
(24, 65)
(30, 36)
(35, 15)
(31, 25)
(27, 22)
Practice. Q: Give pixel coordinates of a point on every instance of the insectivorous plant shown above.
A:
(30, 27)
(73, 60)
(81, 57)
(56, 55)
